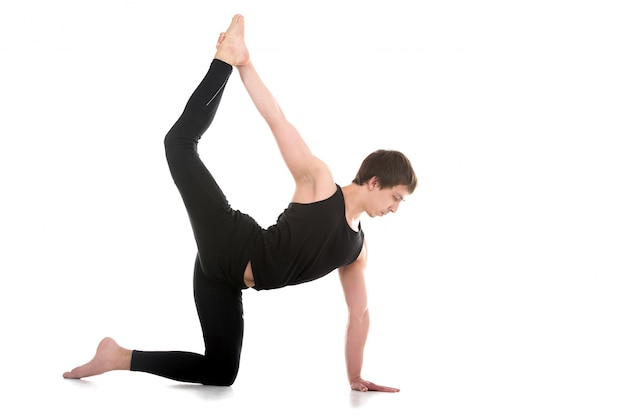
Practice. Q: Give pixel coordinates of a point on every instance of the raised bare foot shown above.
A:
(231, 46)
(109, 357)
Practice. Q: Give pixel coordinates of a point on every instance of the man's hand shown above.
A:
(359, 384)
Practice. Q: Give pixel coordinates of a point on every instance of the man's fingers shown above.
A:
(363, 386)
(359, 387)
(381, 388)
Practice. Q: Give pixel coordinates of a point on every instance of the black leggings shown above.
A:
(224, 238)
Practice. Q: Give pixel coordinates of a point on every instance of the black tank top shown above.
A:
(307, 242)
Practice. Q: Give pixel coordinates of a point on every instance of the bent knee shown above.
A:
(222, 380)
(169, 141)
(176, 140)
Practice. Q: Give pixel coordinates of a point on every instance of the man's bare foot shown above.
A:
(231, 46)
(109, 357)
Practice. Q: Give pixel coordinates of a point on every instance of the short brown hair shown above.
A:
(390, 167)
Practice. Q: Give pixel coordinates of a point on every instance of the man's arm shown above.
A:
(353, 282)
(313, 179)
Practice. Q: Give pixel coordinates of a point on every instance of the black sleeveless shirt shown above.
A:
(307, 242)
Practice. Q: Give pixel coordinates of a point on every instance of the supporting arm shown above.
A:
(353, 282)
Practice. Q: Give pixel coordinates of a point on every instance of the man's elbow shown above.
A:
(360, 316)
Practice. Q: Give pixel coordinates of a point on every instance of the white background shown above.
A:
(497, 290)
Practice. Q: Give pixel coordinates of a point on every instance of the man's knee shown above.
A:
(223, 378)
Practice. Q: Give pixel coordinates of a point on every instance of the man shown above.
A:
(318, 233)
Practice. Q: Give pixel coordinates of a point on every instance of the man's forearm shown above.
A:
(356, 335)
(261, 96)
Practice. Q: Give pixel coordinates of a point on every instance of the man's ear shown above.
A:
(373, 183)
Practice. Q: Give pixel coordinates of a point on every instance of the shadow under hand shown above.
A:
(359, 399)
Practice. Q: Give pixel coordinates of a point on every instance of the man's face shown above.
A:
(385, 201)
